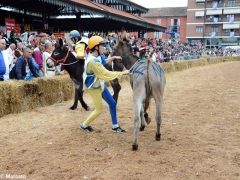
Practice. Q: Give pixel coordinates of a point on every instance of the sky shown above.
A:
(161, 3)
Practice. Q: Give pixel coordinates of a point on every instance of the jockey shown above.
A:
(94, 76)
(80, 44)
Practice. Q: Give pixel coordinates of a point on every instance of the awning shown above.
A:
(231, 26)
(214, 12)
(232, 11)
(82, 7)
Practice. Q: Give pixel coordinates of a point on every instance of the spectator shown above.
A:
(49, 70)
(37, 54)
(10, 52)
(4, 64)
(13, 38)
(19, 50)
(25, 67)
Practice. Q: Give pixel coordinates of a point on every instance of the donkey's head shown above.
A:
(124, 49)
(60, 53)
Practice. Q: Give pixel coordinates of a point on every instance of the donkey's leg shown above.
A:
(142, 119)
(76, 97)
(146, 106)
(80, 95)
(116, 88)
(137, 110)
(158, 117)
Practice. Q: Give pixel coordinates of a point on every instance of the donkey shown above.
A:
(147, 81)
(75, 69)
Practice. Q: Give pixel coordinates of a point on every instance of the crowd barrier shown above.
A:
(20, 96)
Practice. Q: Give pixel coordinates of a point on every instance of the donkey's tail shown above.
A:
(148, 84)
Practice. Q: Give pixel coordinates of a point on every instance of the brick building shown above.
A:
(214, 22)
(173, 18)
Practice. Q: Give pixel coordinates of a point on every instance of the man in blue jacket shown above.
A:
(3, 66)
(25, 66)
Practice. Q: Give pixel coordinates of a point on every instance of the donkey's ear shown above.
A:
(60, 42)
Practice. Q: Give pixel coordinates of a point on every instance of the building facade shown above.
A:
(173, 18)
(215, 23)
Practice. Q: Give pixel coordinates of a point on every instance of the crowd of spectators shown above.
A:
(170, 50)
(25, 59)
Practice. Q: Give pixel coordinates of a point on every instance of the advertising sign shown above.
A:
(59, 35)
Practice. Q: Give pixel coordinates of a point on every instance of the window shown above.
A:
(231, 3)
(158, 35)
(226, 31)
(199, 29)
(214, 28)
(175, 22)
(158, 21)
(230, 18)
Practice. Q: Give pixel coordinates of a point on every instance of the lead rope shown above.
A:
(112, 66)
(133, 67)
(69, 63)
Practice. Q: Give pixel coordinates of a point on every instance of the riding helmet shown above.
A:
(95, 40)
(73, 34)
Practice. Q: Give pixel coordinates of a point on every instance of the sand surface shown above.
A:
(200, 135)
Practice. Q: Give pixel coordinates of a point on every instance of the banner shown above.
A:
(59, 35)
(10, 24)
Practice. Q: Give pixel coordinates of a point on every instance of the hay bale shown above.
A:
(54, 90)
(180, 65)
(231, 58)
(168, 67)
(20, 96)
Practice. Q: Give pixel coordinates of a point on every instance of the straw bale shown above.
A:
(19, 96)
(232, 58)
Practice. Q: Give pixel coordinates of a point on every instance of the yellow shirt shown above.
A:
(101, 73)
(80, 50)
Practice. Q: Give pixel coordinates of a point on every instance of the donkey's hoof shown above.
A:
(148, 120)
(73, 107)
(134, 147)
(158, 137)
(142, 128)
(87, 108)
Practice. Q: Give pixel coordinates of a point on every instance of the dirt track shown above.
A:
(200, 135)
